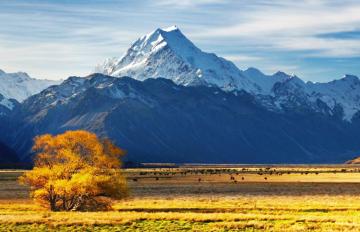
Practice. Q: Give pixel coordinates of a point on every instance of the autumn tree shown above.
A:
(75, 171)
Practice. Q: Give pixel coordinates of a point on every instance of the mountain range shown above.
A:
(167, 53)
(165, 100)
(16, 87)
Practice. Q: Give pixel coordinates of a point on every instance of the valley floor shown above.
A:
(205, 199)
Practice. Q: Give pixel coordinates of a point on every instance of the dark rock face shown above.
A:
(158, 121)
(7, 155)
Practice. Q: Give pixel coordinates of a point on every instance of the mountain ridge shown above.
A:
(156, 120)
(168, 53)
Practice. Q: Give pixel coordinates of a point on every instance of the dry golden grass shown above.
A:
(289, 199)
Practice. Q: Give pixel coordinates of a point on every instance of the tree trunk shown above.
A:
(53, 205)
(52, 199)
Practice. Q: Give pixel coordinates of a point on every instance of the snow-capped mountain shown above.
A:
(339, 97)
(20, 86)
(169, 54)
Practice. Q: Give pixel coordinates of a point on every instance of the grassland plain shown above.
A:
(198, 198)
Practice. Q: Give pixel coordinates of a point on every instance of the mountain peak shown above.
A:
(172, 28)
(171, 37)
(168, 53)
(146, 51)
(253, 71)
(281, 74)
(350, 77)
(22, 76)
(161, 34)
(17, 76)
(296, 80)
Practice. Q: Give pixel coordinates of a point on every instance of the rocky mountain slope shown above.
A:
(158, 121)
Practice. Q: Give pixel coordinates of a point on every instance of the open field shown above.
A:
(286, 198)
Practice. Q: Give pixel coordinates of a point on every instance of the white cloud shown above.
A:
(58, 59)
(239, 58)
(188, 3)
(295, 26)
(294, 21)
(321, 47)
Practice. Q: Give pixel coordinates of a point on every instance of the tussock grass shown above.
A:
(180, 203)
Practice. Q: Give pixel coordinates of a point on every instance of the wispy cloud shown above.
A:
(296, 26)
(188, 3)
(55, 39)
(240, 58)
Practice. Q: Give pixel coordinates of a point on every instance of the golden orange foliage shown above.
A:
(75, 171)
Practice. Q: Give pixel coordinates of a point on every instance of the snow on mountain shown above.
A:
(344, 93)
(266, 82)
(6, 102)
(20, 86)
(7, 105)
(169, 54)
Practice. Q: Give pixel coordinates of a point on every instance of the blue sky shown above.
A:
(317, 40)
